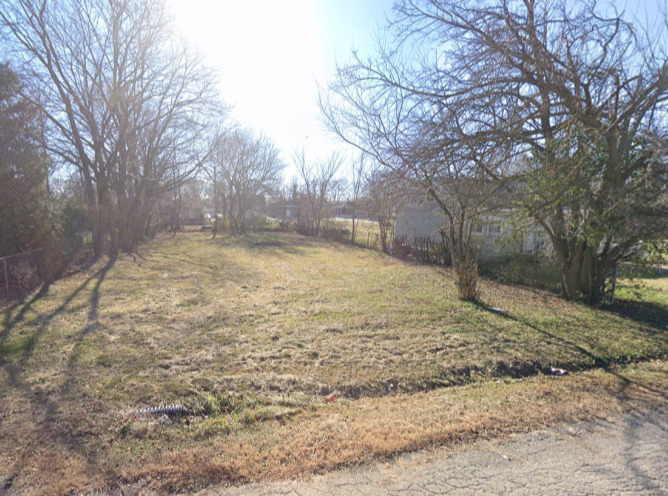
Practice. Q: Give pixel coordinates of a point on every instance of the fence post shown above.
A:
(4, 263)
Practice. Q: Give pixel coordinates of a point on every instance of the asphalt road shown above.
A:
(625, 456)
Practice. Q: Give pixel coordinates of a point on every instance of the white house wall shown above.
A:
(419, 221)
(422, 221)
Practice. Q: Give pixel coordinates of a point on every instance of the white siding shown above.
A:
(419, 221)
(493, 239)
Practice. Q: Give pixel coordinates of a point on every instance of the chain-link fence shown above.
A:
(20, 273)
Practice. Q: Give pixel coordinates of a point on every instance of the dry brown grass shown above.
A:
(251, 332)
(351, 432)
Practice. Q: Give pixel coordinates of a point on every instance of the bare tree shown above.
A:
(318, 179)
(578, 94)
(187, 202)
(128, 105)
(583, 95)
(356, 189)
(401, 132)
(248, 167)
(383, 196)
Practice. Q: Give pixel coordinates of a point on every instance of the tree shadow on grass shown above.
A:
(11, 320)
(266, 243)
(45, 320)
(210, 272)
(643, 312)
(275, 247)
(596, 360)
(90, 326)
(53, 424)
(26, 302)
(608, 364)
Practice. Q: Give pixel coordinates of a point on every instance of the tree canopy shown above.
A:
(561, 102)
(25, 222)
(127, 104)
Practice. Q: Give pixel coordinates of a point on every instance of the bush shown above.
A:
(23, 276)
(526, 269)
(467, 279)
(422, 248)
(75, 223)
(401, 247)
(262, 223)
(333, 232)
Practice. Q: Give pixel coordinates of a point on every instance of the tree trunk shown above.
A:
(97, 216)
(177, 213)
(383, 227)
(353, 230)
(113, 227)
(464, 265)
(99, 231)
(215, 204)
(583, 274)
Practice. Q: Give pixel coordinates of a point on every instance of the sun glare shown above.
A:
(268, 55)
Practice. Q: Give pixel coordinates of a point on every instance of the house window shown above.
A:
(494, 229)
(477, 227)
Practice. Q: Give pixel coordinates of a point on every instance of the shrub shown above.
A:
(23, 275)
(75, 222)
(467, 279)
(526, 269)
(401, 247)
(334, 232)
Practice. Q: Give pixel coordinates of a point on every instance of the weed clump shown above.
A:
(467, 279)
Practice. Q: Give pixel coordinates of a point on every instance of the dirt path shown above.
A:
(626, 456)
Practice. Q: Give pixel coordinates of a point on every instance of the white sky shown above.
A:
(270, 54)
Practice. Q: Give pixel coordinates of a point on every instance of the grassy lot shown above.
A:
(651, 288)
(250, 333)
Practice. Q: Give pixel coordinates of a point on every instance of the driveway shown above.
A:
(627, 455)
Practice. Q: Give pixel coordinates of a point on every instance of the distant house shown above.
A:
(345, 210)
(492, 235)
(251, 215)
(291, 213)
(208, 212)
(282, 211)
